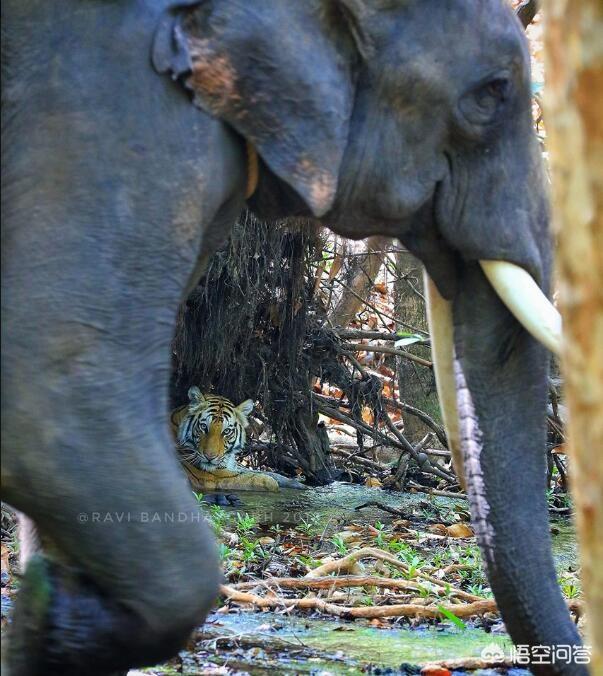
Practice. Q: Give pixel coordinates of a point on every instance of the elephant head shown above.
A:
(408, 118)
(413, 119)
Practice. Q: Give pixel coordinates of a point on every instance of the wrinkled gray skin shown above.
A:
(408, 118)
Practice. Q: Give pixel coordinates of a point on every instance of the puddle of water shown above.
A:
(349, 647)
(565, 545)
(335, 502)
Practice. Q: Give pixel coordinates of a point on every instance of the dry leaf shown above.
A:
(460, 530)
(367, 415)
(438, 529)
(401, 524)
(267, 540)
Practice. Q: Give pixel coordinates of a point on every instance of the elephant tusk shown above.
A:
(441, 330)
(523, 297)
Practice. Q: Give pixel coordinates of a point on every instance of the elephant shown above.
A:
(133, 135)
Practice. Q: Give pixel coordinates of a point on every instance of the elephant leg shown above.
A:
(114, 186)
(128, 567)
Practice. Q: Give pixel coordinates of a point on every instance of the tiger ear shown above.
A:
(195, 396)
(245, 409)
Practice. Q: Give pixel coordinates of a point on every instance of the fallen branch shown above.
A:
(466, 663)
(435, 491)
(402, 610)
(381, 505)
(359, 460)
(352, 558)
(329, 583)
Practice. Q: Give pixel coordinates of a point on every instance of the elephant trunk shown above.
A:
(501, 382)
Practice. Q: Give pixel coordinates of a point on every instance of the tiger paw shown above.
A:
(249, 481)
(221, 480)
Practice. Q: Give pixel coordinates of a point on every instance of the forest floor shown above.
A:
(328, 581)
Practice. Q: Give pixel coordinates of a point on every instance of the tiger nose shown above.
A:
(214, 445)
(212, 451)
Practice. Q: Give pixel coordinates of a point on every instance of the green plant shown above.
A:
(198, 498)
(424, 592)
(449, 615)
(340, 544)
(439, 559)
(415, 563)
(250, 550)
(310, 526)
(570, 587)
(224, 551)
(379, 537)
(307, 561)
(245, 523)
(480, 590)
(217, 518)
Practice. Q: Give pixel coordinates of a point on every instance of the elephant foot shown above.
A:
(63, 626)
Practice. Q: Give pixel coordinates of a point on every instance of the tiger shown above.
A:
(209, 432)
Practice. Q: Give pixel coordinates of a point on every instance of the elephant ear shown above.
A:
(279, 73)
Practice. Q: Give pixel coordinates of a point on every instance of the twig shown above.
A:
(428, 420)
(328, 583)
(363, 347)
(381, 505)
(435, 491)
(375, 335)
(379, 313)
(402, 442)
(364, 462)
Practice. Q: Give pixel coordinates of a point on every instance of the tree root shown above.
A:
(401, 610)
(320, 579)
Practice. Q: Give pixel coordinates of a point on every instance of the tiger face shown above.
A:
(211, 430)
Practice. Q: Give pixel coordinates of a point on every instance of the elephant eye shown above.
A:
(483, 103)
(493, 92)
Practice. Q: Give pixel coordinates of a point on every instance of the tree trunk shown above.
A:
(416, 384)
(574, 97)
(360, 278)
